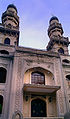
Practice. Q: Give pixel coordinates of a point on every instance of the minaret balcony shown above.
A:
(7, 13)
(54, 26)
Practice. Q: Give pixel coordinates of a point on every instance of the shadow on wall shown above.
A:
(67, 115)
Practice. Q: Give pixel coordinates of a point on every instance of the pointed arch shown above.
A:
(7, 41)
(17, 115)
(37, 75)
(61, 50)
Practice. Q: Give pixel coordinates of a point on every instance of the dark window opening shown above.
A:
(66, 61)
(38, 108)
(4, 52)
(57, 41)
(15, 43)
(9, 25)
(61, 50)
(37, 78)
(1, 103)
(3, 73)
(50, 99)
(7, 41)
(68, 77)
(61, 42)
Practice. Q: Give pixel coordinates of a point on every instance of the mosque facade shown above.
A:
(33, 83)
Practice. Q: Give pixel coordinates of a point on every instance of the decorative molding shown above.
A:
(39, 59)
(45, 65)
(59, 93)
(18, 86)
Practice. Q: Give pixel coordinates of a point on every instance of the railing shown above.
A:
(10, 14)
(9, 27)
(1, 25)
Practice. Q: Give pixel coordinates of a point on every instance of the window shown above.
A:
(3, 73)
(4, 52)
(1, 103)
(37, 78)
(61, 50)
(7, 41)
(9, 25)
(68, 77)
(66, 61)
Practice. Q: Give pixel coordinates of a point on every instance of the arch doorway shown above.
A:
(38, 108)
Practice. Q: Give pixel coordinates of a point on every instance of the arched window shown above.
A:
(37, 78)
(61, 50)
(66, 61)
(3, 73)
(4, 52)
(38, 108)
(7, 41)
(68, 77)
(1, 103)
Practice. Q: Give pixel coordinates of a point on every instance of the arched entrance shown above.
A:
(38, 108)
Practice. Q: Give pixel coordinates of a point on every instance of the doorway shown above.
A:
(38, 108)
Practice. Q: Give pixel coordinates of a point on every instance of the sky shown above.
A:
(34, 19)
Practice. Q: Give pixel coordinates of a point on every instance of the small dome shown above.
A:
(12, 6)
(54, 18)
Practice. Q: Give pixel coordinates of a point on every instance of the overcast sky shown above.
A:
(34, 19)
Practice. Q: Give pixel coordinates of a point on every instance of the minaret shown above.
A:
(57, 42)
(9, 28)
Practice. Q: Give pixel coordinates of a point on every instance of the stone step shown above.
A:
(44, 118)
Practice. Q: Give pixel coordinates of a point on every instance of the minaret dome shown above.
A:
(10, 17)
(55, 28)
(53, 19)
(12, 8)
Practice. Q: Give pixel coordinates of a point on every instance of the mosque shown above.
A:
(34, 84)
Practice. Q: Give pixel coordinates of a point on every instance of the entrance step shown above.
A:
(45, 118)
